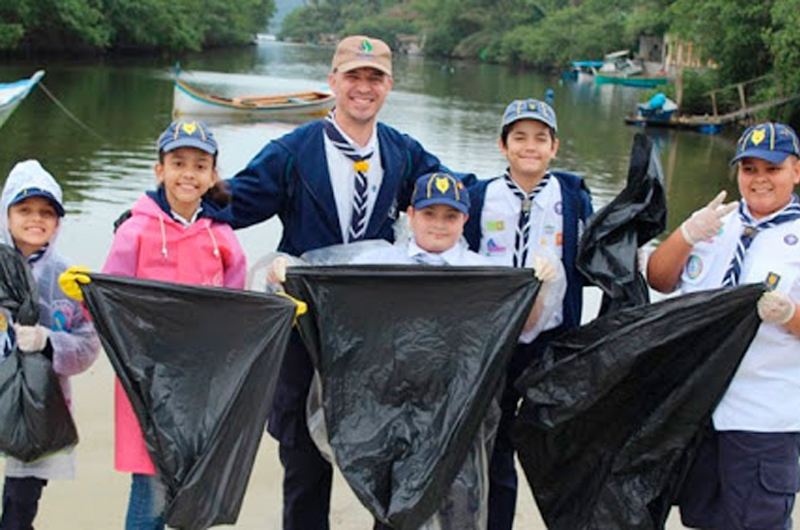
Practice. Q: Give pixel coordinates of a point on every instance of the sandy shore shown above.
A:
(97, 499)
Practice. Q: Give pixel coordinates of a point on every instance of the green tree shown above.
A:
(736, 41)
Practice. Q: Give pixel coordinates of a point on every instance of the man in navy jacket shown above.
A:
(324, 181)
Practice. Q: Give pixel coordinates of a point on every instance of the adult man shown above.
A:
(332, 181)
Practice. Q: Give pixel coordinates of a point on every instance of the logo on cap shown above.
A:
(758, 137)
(366, 46)
(442, 184)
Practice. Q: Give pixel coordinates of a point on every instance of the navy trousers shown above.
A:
(21, 502)
(502, 472)
(742, 481)
(307, 475)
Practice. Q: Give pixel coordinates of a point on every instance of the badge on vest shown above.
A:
(495, 226)
(493, 248)
(772, 280)
(694, 266)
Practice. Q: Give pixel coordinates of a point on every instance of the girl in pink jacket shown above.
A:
(174, 234)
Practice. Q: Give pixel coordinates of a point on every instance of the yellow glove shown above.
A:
(70, 281)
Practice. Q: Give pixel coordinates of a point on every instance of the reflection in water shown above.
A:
(453, 108)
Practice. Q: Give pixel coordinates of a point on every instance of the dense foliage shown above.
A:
(122, 25)
(744, 39)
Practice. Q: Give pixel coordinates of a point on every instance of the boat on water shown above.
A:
(12, 94)
(622, 68)
(190, 101)
(660, 111)
(582, 70)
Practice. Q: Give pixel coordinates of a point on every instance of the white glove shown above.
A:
(276, 273)
(544, 270)
(706, 222)
(776, 307)
(31, 338)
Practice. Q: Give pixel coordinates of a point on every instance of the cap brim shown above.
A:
(530, 117)
(773, 157)
(189, 142)
(43, 194)
(352, 65)
(460, 206)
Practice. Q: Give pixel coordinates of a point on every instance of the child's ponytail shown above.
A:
(219, 194)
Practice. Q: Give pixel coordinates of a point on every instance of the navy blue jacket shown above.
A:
(289, 178)
(577, 203)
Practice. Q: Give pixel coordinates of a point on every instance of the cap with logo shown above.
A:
(530, 109)
(440, 188)
(769, 141)
(182, 133)
(29, 179)
(359, 51)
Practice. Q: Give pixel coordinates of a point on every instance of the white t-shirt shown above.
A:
(764, 395)
(499, 219)
(458, 255)
(343, 178)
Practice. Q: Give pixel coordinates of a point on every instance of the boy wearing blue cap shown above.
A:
(32, 213)
(439, 210)
(525, 214)
(746, 473)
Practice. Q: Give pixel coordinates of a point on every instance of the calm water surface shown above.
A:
(453, 108)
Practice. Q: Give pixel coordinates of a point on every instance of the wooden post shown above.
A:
(714, 102)
(740, 88)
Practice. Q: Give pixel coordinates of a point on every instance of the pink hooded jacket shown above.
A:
(152, 245)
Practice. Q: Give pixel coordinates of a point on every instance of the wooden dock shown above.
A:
(713, 123)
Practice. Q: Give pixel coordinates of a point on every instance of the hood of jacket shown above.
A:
(27, 174)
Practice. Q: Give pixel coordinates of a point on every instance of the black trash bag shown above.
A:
(614, 412)
(409, 359)
(34, 418)
(199, 366)
(18, 293)
(607, 250)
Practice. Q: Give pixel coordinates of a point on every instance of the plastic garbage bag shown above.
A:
(409, 360)
(18, 292)
(607, 252)
(199, 366)
(613, 412)
(34, 418)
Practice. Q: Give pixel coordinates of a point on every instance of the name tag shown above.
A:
(495, 226)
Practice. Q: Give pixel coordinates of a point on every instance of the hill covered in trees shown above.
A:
(35, 26)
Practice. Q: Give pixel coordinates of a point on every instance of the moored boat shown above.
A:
(622, 68)
(12, 94)
(189, 101)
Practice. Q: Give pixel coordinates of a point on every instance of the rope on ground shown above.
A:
(69, 114)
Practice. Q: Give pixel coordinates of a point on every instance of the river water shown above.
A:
(453, 108)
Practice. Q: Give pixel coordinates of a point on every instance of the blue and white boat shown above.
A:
(12, 94)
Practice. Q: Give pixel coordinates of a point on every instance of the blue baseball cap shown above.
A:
(769, 141)
(27, 193)
(440, 188)
(182, 133)
(530, 109)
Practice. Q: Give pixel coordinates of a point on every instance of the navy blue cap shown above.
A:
(182, 133)
(530, 109)
(440, 188)
(769, 141)
(27, 193)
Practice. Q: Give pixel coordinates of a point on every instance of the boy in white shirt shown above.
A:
(746, 473)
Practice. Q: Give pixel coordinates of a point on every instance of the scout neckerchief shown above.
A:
(524, 223)
(751, 228)
(358, 221)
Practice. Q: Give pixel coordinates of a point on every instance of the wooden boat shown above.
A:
(622, 68)
(639, 81)
(306, 104)
(12, 94)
